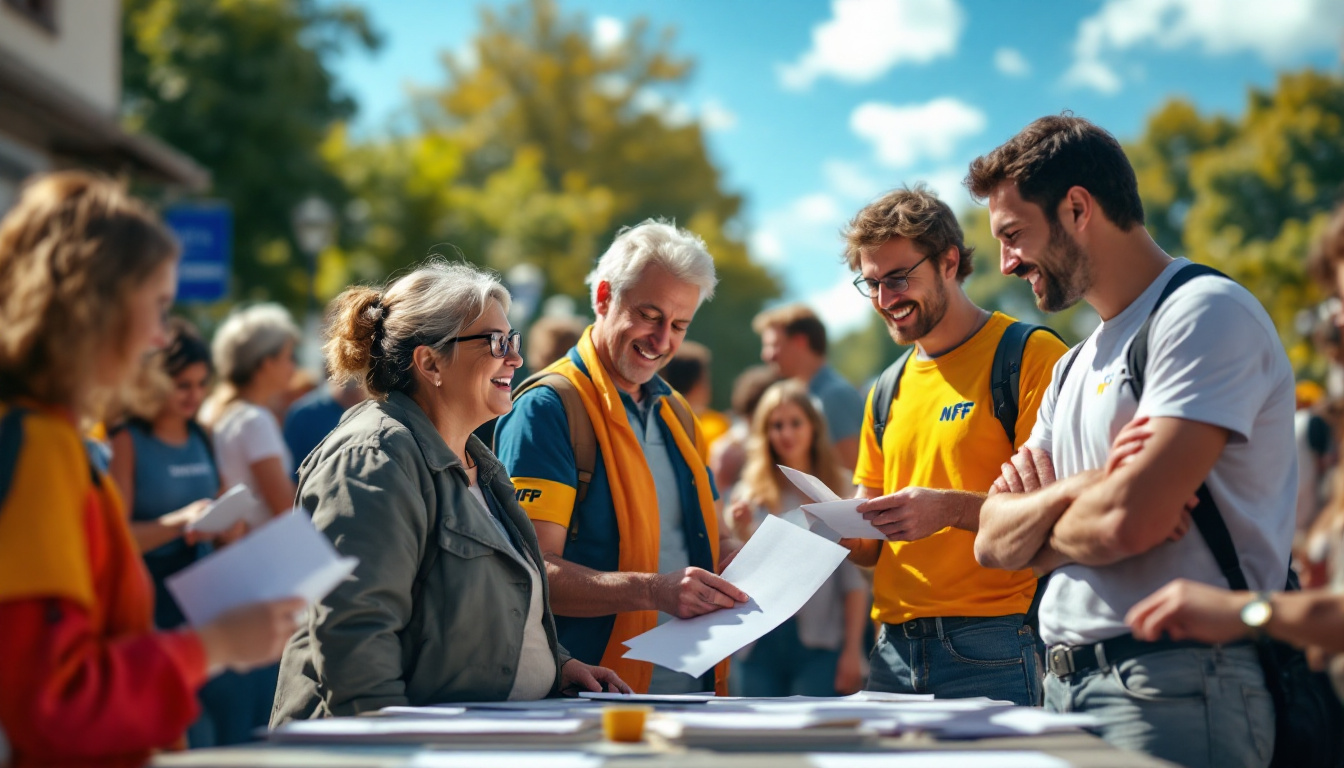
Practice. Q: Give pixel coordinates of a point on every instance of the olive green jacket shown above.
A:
(436, 608)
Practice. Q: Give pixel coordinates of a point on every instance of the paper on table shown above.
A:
(462, 759)
(649, 698)
(996, 759)
(842, 516)
(779, 568)
(236, 504)
(398, 729)
(811, 487)
(286, 557)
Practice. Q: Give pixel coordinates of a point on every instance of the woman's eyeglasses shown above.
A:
(501, 344)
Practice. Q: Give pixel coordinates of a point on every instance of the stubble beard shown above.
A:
(1066, 274)
(928, 315)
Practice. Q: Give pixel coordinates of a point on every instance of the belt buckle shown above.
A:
(1060, 660)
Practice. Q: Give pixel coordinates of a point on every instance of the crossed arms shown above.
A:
(1140, 499)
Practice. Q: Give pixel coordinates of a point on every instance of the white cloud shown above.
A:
(946, 183)
(902, 136)
(766, 245)
(1276, 32)
(608, 33)
(808, 227)
(850, 180)
(816, 208)
(715, 117)
(840, 307)
(1011, 62)
(864, 39)
(673, 113)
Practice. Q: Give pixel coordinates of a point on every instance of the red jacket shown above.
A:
(84, 678)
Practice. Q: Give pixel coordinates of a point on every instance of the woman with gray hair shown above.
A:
(449, 601)
(253, 353)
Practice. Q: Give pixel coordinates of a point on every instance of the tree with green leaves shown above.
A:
(538, 150)
(1250, 195)
(245, 88)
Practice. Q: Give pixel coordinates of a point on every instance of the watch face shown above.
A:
(1256, 613)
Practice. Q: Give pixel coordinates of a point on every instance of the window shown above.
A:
(40, 12)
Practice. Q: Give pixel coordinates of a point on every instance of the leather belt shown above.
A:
(1065, 660)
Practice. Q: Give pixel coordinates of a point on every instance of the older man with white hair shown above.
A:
(610, 464)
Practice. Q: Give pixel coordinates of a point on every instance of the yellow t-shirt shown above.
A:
(942, 433)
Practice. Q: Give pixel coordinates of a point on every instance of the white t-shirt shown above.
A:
(1213, 357)
(244, 435)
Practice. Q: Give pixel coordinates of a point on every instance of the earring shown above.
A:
(438, 382)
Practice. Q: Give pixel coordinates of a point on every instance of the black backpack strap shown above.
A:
(1005, 377)
(11, 442)
(886, 389)
(1206, 516)
(1136, 360)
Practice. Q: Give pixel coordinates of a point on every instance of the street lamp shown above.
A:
(314, 229)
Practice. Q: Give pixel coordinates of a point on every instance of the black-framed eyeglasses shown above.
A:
(893, 283)
(501, 344)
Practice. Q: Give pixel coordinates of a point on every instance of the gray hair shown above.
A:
(678, 251)
(374, 333)
(247, 338)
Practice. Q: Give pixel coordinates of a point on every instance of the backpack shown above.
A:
(1004, 381)
(581, 436)
(1308, 716)
(11, 443)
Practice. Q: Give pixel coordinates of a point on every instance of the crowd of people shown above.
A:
(1051, 515)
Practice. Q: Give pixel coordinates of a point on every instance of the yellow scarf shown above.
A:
(632, 489)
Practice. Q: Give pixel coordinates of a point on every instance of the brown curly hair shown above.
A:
(71, 251)
(916, 214)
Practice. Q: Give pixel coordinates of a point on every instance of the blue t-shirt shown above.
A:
(532, 441)
(841, 403)
(308, 421)
(168, 478)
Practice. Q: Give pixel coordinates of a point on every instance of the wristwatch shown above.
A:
(1256, 614)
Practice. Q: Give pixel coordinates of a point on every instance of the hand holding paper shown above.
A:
(286, 557)
(236, 504)
(781, 567)
(830, 516)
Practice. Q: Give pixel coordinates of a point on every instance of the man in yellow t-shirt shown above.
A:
(949, 626)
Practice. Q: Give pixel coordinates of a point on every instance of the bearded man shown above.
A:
(950, 627)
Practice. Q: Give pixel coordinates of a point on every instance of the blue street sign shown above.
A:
(205, 231)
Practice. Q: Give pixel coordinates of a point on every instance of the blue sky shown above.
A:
(812, 108)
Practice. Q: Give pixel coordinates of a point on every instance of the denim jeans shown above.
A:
(957, 658)
(1199, 707)
(780, 665)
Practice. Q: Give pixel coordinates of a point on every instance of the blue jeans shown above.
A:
(780, 665)
(958, 658)
(1199, 707)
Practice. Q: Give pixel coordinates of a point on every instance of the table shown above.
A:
(1080, 749)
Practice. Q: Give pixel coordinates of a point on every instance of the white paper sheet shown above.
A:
(463, 759)
(754, 721)
(286, 557)
(810, 486)
(842, 516)
(649, 698)
(779, 568)
(236, 504)
(938, 759)
(386, 729)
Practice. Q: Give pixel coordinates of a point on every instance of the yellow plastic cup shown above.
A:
(624, 722)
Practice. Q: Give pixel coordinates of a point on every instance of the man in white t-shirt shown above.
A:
(1216, 408)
